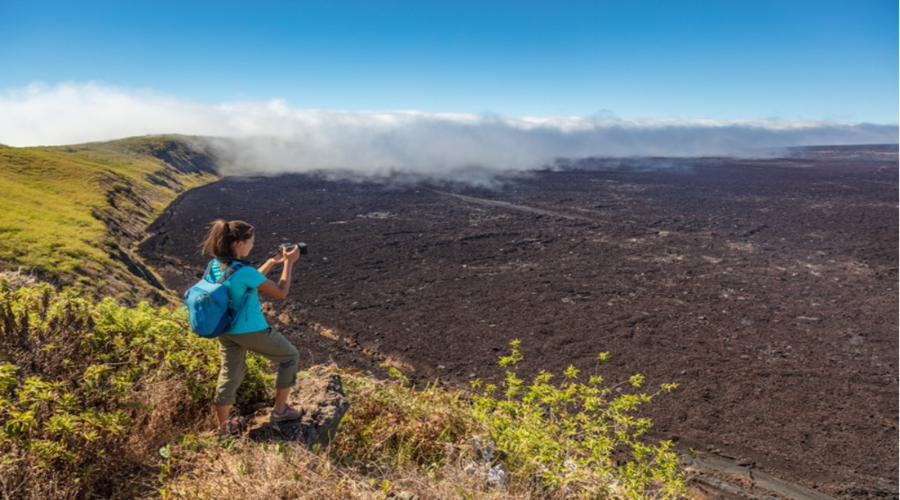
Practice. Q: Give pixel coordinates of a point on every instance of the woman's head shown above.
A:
(228, 239)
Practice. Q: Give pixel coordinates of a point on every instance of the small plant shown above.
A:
(577, 437)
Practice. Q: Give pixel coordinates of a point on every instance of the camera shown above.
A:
(286, 247)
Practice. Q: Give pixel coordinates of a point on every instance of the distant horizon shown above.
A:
(416, 85)
(271, 136)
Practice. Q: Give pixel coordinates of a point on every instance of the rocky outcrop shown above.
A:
(320, 395)
(187, 156)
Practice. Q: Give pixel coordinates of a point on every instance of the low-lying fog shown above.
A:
(272, 137)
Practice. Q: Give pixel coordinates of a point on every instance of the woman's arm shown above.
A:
(267, 266)
(280, 290)
(270, 263)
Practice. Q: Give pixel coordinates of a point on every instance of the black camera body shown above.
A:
(288, 246)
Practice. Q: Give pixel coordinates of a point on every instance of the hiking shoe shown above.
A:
(289, 413)
(232, 429)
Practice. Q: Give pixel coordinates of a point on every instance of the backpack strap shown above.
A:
(229, 260)
(234, 265)
(207, 274)
(242, 307)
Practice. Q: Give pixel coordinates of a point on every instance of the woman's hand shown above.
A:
(280, 290)
(293, 255)
(270, 263)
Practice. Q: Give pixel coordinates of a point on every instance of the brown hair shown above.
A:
(222, 234)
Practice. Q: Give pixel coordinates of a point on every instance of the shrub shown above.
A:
(580, 438)
(90, 391)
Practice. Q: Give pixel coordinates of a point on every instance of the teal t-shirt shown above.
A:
(250, 318)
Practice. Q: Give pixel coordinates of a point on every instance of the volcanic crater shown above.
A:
(765, 288)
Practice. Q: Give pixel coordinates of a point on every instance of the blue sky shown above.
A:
(726, 60)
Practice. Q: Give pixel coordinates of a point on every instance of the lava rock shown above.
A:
(320, 396)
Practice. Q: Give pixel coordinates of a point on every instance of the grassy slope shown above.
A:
(70, 214)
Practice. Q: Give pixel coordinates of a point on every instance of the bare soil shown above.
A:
(767, 289)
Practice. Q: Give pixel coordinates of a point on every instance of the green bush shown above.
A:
(87, 390)
(576, 437)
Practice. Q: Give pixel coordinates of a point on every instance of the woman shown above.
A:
(229, 242)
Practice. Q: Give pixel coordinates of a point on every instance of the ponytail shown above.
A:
(222, 234)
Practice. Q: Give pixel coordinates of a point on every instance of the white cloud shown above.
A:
(274, 137)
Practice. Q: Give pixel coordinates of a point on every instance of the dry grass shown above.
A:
(17, 279)
(390, 423)
(173, 412)
(284, 471)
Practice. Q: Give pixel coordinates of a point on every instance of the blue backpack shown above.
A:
(209, 307)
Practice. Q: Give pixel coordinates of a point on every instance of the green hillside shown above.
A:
(70, 215)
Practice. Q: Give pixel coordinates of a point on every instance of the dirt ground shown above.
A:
(766, 288)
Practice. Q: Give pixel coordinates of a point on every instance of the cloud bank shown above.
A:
(273, 137)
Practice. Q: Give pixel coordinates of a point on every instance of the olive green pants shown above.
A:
(270, 344)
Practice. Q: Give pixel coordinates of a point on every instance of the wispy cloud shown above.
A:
(273, 137)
